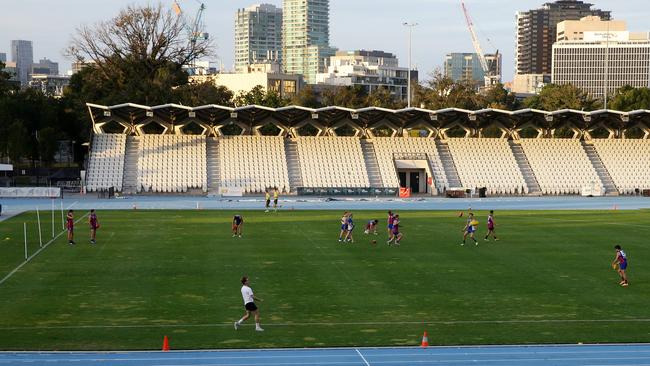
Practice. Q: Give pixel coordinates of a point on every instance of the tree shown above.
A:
(48, 144)
(137, 56)
(306, 97)
(381, 97)
(345, 96)
(5, 85)
(257, 96)
(147, 36)
(554, 97)
(202, 93)
(498, 97)
(443, 92)
(629, 98)
(18, 143)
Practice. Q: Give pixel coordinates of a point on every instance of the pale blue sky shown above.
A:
(354, 24)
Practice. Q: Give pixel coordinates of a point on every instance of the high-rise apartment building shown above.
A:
(536, 32)
(305, 37)
(466, 67)
(3, 57)
(258, 35)
(23, 55)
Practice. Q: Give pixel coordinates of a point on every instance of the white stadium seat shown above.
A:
(106, 162)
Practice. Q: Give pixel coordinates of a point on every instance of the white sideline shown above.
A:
(36, 253)
(332, 324)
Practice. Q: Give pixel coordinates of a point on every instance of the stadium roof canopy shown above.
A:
(174, 119)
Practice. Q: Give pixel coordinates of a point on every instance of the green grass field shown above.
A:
(176, 273)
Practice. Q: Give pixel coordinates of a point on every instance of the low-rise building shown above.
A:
(370, 69)
(49, 84)
(46, 67)
(530, 84)
(267, 75)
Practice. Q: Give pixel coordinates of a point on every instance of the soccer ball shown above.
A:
(366, 232)
(374, 242)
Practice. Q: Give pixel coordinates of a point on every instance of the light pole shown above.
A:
(408, 92)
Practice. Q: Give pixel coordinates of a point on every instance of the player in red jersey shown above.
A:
(395, 234)
(490, 227)
(391, 217)
(69, 225)
(94, 225)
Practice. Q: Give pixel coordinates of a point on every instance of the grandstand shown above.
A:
(178, 159)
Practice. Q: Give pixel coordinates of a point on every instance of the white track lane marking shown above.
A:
(363, 358)
(36, 253)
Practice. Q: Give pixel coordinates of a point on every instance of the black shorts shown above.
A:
(250, 306)
(268, 202)
(275, 201)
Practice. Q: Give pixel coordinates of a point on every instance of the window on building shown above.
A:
(289, 87)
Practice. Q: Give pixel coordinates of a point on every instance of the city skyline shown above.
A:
(362, 24)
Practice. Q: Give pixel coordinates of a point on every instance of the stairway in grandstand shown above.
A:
(448, 164)
(130, 182)
(212, 160)
(293, 163)
(524, 166)
(603, 173)
(372, 165)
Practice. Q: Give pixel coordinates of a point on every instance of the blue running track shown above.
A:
(573, 355)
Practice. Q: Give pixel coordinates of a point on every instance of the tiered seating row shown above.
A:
(627, 162)
(560, 165)
(385, 147)
(106, 162)
(172, 163)
(332, 162)
(487, 162)
(253, 163)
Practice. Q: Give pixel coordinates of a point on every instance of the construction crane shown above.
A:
(491, 78)
(195, 26)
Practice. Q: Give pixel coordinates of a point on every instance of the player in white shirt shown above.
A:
(249, 305)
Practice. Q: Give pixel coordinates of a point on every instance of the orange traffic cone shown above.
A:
(165, 344)
(425, 340)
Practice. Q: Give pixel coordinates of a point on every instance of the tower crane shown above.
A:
(195, 26)
(491, 78)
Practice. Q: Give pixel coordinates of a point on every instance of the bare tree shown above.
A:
(150, 35)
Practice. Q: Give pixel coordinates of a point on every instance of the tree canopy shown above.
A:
(628, 99)
(554, 97)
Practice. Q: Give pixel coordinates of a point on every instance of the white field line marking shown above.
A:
(328, 324)
(363, 358)
(36, 253)
(72, 205)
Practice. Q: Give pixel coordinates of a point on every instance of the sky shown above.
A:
(354, 24)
